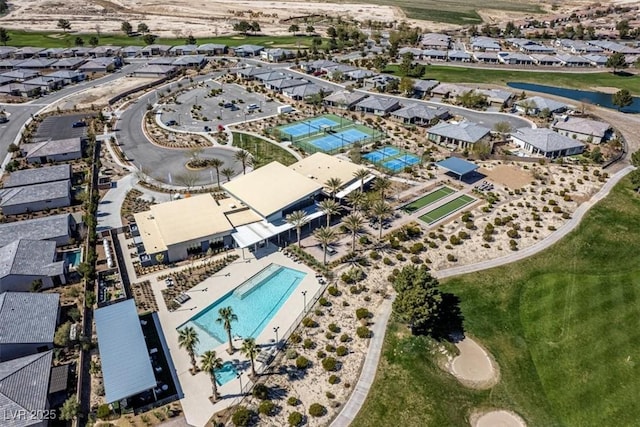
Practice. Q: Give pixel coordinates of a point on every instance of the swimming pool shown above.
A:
(226, 373)
(73, 258)
(255, 302)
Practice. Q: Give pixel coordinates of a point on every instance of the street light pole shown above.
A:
(304, 295)
(239, 376)
(275, 329)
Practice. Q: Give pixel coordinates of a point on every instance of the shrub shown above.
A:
(292, 353)
(330, 395)
(334, 379)
(362, 313)
(330, 348)
(242, 417)
(387, 261)
(295, 338)
(267, 408)
(345, 338)
(374, 255)
(416, 259)
(342, 351)
(308, 322)
(302, 362)
(317, 410)
(293, 401)
(261, 391)
(400, 257)
(295, 419)
(451, 258)
(416, 248)
(363, 332)
(308, 343)
(334, 328)
(321, 354)
(103, 411)
(324, 302)
(329, 363)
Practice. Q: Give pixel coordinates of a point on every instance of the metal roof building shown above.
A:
(457, 166)
(126, 367)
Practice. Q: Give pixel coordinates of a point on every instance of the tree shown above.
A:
(216, 164)
(528, 105)
(149, 39)
(635, 159)
(616, 61)
(333, 185)
(243, 157)
(418, 300)
(255, 27)
(187, 179)
(210, 362)
(472, 99)
(502, 128)
(126, 27)
(381, 185)
(329, 207)
(353, 223)
(93, 41)
(361, 175)
(242, 27)
(406, 85)
(70, 408)
(293, 28)
(250, 350)
(297, 219)
(190, 40)
(4, 36)
(160, 258)
(310, 29)
(228, 173)
(357, 199)
(381, 210)
(634, 176)
(64, 24)
(143, 28)
(225, 317)
(623, 28)
(622, 98)
(188, 339)
(331, 32)
(62, 336)
(78, 41)
(325, 236)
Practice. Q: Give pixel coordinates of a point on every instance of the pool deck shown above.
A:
(197, 388)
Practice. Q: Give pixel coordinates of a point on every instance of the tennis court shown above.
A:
(447, 209)
(338, 140)
(392, 159)
(307, 127)
(428, 199)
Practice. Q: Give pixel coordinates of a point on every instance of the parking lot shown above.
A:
(61, 127)
(233, 105)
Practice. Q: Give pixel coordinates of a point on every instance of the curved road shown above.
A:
(359, 395)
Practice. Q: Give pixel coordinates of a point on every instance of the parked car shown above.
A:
(207, 129)
(252, 107)
(79, 124)
(171, 123)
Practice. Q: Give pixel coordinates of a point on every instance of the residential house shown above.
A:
(247, 50)
(574, 61)
(27, 52)
(77, 52)
(36, 63)
(130, 51)
(24, 388)
(596, 60)
(269, 75)
(59, 150)
(537, 48)
(190, 61)
(422, 88)
(279, 85)
(498, 97)
(337, 72)
(378, 105)
(515, 58)
(316, 66)
(21, 75)
(344, 99)
(156, 71)
(546, 60)
(45, 83)
(380, 82)
(184, 49)
(28, 322)
(7, 51)
(306, 92)
(104, 51)
(434, 55)
(534, 105)
(486, 57)
(461, 135)
(20, 90)
(547, 143)
(583, 129)
(211, 49)
(9, 64)
(448, 90)
(34, 198)
(68, 76)
(38, 176)
(421, 115)
(414, 51)
(358, 75)
(59, 229)
(162, 60)
(68, 63)
(99, 65)
(277, 54)
(459, 56)
(435, 41)
(155, 50)
(485, 44)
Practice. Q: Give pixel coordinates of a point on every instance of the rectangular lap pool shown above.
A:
(255, 302)
(428, 199)
(447, 209)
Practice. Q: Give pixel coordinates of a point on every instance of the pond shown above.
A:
(596, 98)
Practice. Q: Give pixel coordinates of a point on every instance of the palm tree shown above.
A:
(325, 236)
(228, 173)
(250, 350)
(188, 339)
(361, 175)
(216, 164)
(226, 316)
(329, 207)
(297, 219)
(381, 210)
(210, 362)
(356, 199)
(243, 157)
(353, 223)
(381, 185)
(333, 185)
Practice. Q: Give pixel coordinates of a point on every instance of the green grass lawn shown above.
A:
(501, 77)
(57, 39)
(446, 209)
(264, 151)
(427, 199)
(562, 326)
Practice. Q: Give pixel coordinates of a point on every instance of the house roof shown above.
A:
(46, 228)
(425, 85)
(465, 131)
(360, 74)
(378, 103)
(420, 111)
(539, 57)
(27, 317)
(66, 74)
(183, 220)
(271, 188)
(155, 69)
(24, 388)
(496, 95)
(189, 60)
(306, 90)
(34, 193)
(36, 63)
(344, 97)
(30, 258)
(59, 380)
(583, 126)
(286, 83)
(572, 59)
(458, 166)
(21, 74)
(38, 175)
(542, 103)
(545, 139)
(68, 62)
(448, 88)
(321, 167)
(248, 48)
(211, 46)
(126, 367)
(459, 54)
(53, 147)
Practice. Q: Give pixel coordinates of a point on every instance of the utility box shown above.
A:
(284, 109)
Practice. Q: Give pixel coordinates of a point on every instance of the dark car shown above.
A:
(79, 124)
(207, 129)
(171, 123)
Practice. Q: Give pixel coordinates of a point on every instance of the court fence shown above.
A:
(392, 159)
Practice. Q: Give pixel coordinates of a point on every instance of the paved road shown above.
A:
(362, 387)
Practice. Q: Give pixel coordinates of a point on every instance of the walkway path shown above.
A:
(359, 395)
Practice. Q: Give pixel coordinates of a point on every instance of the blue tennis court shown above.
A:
(299, 129)
(374, 156)
(394, 165)
(319, 122)
(409, 159)
(388, 151)
(339, 140)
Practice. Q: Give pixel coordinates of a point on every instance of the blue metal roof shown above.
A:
(126, 367)
(457, 166)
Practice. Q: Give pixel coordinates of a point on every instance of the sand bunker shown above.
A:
(474, 367)
(500, 418)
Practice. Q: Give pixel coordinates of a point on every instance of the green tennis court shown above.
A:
(428, 199)
(447, 209)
